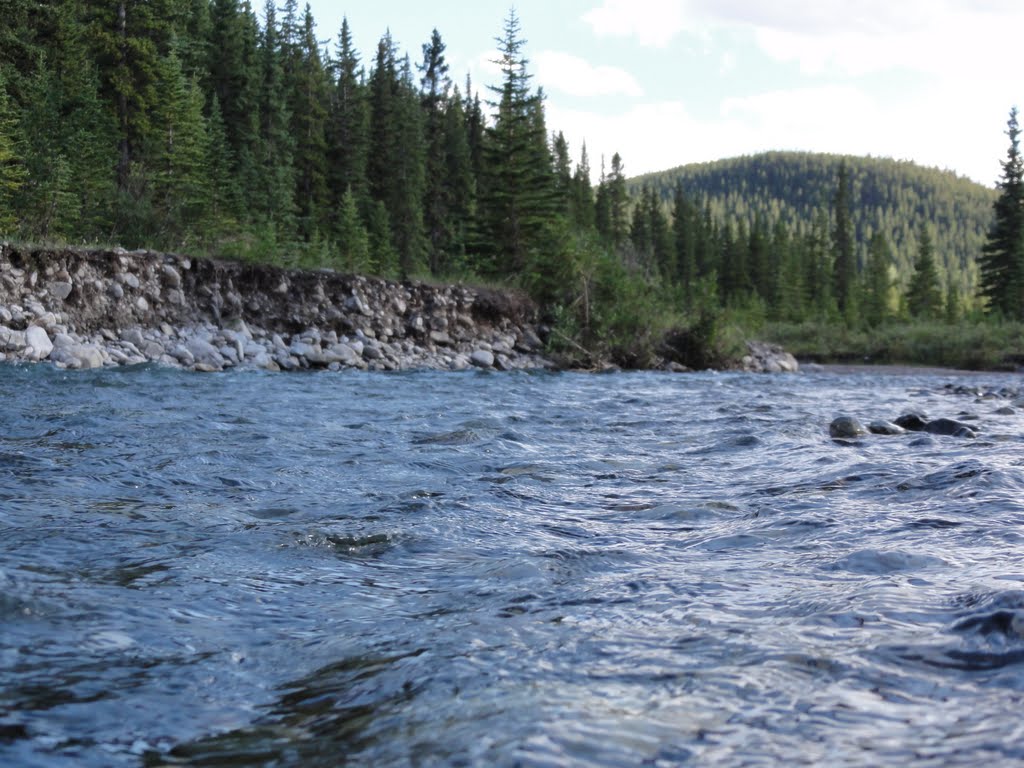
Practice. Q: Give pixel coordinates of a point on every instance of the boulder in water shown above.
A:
(882, 427)
(913, 421)
(950, 427)
(846, 427)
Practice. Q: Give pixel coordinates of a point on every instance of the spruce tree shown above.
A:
(924, 293)
(461, 183)
(347, 132)
(275, 193)
(581, 203)
(877, 281)
(1002, 257)
(518, 201)
(353, 240)
(844, 258)
(12, 171)
(307, 86)
(437, 203)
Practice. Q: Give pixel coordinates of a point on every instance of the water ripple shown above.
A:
(534, 569)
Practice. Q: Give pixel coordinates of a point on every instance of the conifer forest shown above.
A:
(215, 128)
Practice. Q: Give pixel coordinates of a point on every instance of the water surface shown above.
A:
(474, 569)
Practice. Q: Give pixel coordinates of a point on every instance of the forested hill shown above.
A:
(894, 197)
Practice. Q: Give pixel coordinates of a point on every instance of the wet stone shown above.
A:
(881, 427)
(913, 421)
(846, 427)
(950, 427)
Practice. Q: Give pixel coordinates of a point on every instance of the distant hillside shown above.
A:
(888, 195)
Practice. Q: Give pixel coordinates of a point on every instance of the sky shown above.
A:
(670, 82)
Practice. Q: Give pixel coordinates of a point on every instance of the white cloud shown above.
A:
(575, 76)
(652, 22)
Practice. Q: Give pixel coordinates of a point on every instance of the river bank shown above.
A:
(81, 308)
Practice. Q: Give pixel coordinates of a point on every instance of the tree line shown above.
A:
(203, 126)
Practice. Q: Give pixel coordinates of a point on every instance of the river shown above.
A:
(506, 569)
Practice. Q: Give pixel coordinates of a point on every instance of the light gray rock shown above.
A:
(153, 350)
(482, 358)
(87, 355)
(204, 352)
(441, 338)
(134, 335)
(181, 354)
(115, 291)
(171, 276)
(38, 343)
(142, 304)
(12, 340)
(60, 289)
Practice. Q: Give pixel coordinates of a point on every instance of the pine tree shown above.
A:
(437, 202)
(182, 177)
(844, 258)
(684, 226)
(518, 200)
(130, 38)
(224, 194)
(618, 199)
(875, 308)
(924, 293)
(461, 183)
(234, 78)
(276, 148)
(348, 125)
(353, 239)
(1002, 257)
(581, 203)
(12, 171)
(307, 86)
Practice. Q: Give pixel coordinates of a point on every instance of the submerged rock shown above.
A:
(846, 427)
(950, 427)
(882, 427)
(913, 421)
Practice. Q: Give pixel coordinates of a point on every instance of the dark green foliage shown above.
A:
(519, 198)
(886, 196)
(924, 294)
(1002, 258)
(875, 301)
(844, 260)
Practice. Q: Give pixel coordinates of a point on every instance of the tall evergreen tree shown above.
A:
(581, 203)
(924, 293)
(518, 198)
(129, 38)
(1002, 257)
(437, 203)
(875, 308)
(12, 170)
(308, 88)
(349, 124)
(844, 260)
(461, 183)
(275, 193)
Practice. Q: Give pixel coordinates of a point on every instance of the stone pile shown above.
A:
(95, 308)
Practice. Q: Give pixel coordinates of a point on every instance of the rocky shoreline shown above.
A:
(81, 308)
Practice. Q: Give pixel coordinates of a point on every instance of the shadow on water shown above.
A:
(320, 720)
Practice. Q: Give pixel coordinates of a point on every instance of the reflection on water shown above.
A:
(441, 569)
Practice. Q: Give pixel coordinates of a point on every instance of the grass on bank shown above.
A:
(969, 344)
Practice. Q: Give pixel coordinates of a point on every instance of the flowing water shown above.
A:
(471, 569)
